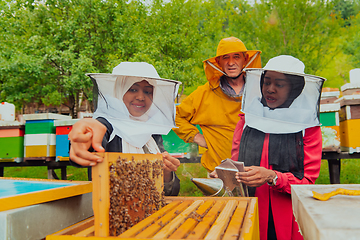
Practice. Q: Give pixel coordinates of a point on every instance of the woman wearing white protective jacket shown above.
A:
(134, 108)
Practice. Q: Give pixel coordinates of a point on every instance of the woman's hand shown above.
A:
(213, 174)
(85, 133)
(255, 176)
(170, 165)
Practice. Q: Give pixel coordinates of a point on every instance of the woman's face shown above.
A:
(138, 98)
(276, 89)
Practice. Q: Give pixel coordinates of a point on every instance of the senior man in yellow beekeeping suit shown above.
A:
(215, 106)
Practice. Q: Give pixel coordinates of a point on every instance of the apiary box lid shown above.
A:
(45, 116)
(336, 218)
(330, 107)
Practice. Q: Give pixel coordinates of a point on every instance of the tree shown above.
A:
(57, 42)
(301, 28)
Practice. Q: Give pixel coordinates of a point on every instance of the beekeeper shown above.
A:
(134, 108)
(279, 140)
(215, 106)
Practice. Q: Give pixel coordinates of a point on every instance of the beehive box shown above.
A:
(334, 219)
(11, 141)
(349, 115)
(185, 218)
(329, 95)
(353, 87)
(63, 127)
(126, 189)
(40, 135)
(34, 208)
(330, 127)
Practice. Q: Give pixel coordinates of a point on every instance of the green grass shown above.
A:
(73, 173)
(349, 172)
(350, 169)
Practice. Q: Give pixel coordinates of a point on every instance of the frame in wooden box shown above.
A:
(131, 183)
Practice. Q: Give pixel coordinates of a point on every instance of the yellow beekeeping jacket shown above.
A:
(216, 114)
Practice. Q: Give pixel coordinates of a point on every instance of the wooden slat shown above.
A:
(153, 229)
(149, 220)
(86, 232)
(218, 228)
(234, 228)
(73, 229)
(250, 229)
(202, 228)
(224, 219)
(101, 198)
(174, 224)
(191, 222)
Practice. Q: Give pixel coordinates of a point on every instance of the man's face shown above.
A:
(232, 63)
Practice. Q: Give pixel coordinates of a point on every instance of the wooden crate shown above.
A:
(185, 218)
(329, 119)
(126, 188)
(349, 135)
(329, 95)
(349, 115)
(40, 135)
(35, 208)
(334, 219)
(12, 142)
(63, 127)
(40, 145)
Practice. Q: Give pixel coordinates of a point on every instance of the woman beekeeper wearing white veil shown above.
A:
(134, 108)
(279, 140)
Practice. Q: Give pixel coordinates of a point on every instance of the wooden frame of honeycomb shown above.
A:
(126, 189)
(201, 218)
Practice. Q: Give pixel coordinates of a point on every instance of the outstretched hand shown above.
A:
(85, 133)
(255, 176)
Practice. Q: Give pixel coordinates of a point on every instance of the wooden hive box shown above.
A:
(11, 141)
(40, 136)
(178, 218)
(185, 218)
(330, 127)
(349, 115)
(63, 127)
(34, 208)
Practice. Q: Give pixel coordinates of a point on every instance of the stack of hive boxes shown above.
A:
(63, 127)
(329, 119)
(350, 113)
(40, 136)
(11, 141)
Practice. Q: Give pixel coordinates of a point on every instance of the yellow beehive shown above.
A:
(349, 123)
(178, 218)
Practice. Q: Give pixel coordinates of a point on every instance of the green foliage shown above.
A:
(303, 29)
(46, 47)
(352, 47)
